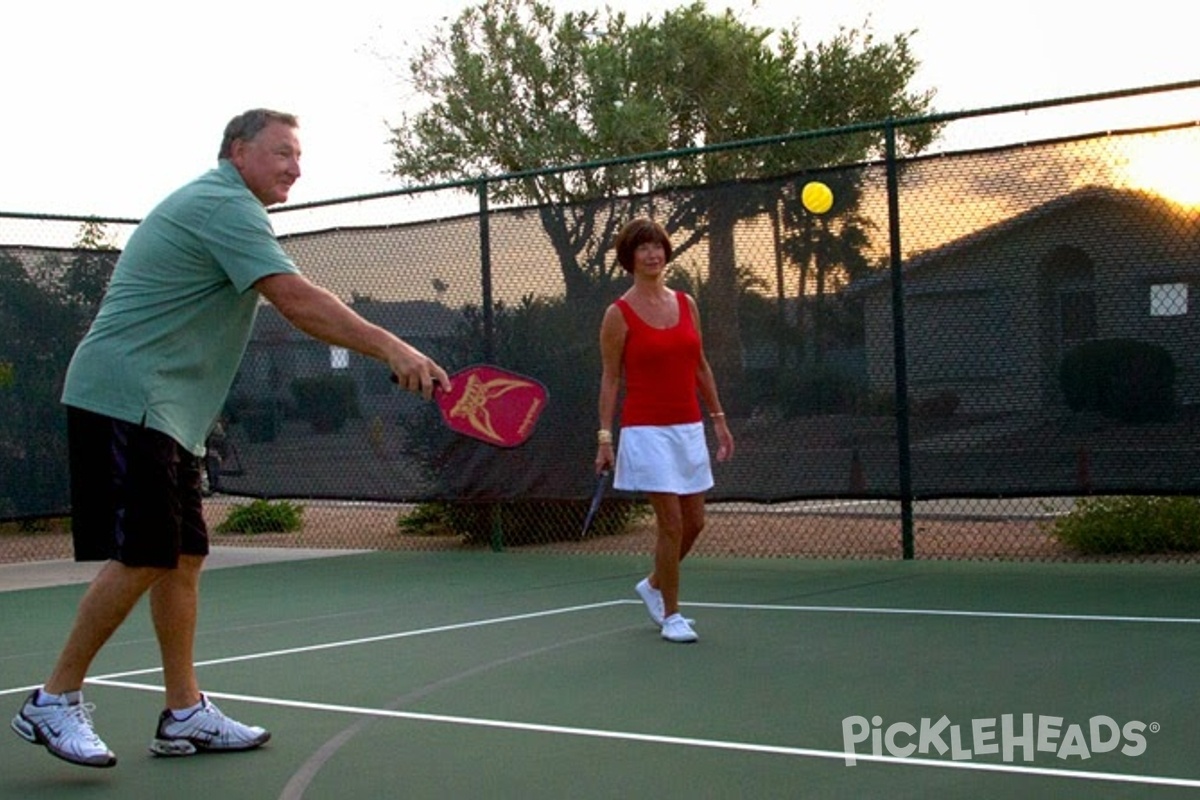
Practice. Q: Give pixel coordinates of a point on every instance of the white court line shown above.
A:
(684, 741)
(312, 648)
(928, 612)
(114, 680)
(385, 637)
(799, 506)
(948, 508)
(937, 612)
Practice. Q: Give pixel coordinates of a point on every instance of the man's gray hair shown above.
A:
(249, 124)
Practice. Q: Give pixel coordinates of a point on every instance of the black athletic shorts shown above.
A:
(135, 493)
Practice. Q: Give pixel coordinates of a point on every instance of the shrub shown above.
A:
(34, 525)
(259, 418)
(815, 390)
(876, 404)
(939, 406)
(1123, 379)
(427, 519)
(1131, 525)
(326, 401)
(263, 516)
(520, 522)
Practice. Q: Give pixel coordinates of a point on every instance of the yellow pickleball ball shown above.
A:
(816, 197)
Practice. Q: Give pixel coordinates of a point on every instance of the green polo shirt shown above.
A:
(173, 326)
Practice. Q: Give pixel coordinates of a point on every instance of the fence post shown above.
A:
(485, 276)
(858, 477)
(489, 331)
(899, 347)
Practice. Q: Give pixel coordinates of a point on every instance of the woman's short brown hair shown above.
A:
(637, 232)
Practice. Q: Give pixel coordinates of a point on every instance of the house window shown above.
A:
(1078, 315)
(1168, 299)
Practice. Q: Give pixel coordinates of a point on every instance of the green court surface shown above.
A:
(510, 675)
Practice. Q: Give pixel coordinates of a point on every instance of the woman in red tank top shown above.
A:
(650, 342)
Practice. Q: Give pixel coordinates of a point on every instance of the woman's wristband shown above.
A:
(716, 414)
(604, 436)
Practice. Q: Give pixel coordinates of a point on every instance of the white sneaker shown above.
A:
(653, 599)
(65, 729)
(654, 602)
(207, 729)
(676, 629)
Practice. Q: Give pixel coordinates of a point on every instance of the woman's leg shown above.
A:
(692, 511)
(668, 516)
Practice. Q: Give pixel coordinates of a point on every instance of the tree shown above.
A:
(37, 333)
(513, 88)
(45, 308)
(509, 90)
(86, 279)
(827, 250)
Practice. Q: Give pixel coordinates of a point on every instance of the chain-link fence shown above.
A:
(938, 366)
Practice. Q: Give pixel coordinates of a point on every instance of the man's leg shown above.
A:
(111, 596)
(190, 723)
(55, 716)
(174, 607)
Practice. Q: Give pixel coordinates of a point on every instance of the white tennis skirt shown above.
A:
(663, 458)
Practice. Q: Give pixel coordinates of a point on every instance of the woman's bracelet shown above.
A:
(604, 436)
(716, 414)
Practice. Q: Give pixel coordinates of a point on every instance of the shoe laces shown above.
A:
(209, 714)
(81, 715)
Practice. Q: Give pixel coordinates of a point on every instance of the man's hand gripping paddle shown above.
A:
(491, 404)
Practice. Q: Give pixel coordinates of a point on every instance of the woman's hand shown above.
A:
(724, 439)
(605, 458)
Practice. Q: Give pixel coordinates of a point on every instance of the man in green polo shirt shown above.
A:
(142, 392)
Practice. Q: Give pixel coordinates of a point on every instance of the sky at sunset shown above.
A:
(109, 113)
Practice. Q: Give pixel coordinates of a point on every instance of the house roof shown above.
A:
(406, 319)
(1098, 195)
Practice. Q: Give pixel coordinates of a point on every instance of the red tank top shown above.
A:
(660, 369)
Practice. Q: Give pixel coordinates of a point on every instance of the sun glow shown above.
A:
(1167, 164)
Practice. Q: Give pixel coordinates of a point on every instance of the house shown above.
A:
(278, 353)
(988, 317)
